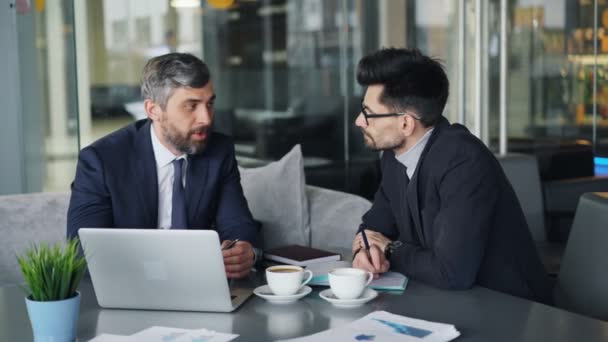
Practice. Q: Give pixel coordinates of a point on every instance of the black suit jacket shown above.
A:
(458, 219)
(116, 186)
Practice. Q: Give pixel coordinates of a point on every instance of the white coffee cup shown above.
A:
(285, 280)
(349, 283)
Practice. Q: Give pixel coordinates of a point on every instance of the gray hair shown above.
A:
(163, 74)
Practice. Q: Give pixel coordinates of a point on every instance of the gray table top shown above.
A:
(479, 314)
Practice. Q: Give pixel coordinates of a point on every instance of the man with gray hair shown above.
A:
(169, 171)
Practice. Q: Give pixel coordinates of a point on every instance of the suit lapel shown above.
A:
(401, 209)
(412, 201)
(196, 182)
(144, 169)
(412, 189)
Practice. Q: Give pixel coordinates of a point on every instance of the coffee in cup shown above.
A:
(285, 280)
(349, 283)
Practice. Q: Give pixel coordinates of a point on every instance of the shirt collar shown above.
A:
(411, 157)
(162, 155)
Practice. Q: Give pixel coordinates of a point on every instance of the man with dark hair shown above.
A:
(169, 171)
(445, 213)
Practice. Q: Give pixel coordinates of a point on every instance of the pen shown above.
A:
(231, 244)
(365, 243)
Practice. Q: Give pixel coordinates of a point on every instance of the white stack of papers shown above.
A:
(386, 327)
(164, 334)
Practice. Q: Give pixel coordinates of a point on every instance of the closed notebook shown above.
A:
(299, 255)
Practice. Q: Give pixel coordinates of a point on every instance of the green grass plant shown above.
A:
(52, 273)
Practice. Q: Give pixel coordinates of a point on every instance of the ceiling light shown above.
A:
(185, 3)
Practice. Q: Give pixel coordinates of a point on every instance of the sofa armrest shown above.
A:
(28, 219)
(334, 218)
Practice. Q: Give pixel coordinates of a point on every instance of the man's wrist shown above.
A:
(257, 255)
(386, 250)
(390, 247)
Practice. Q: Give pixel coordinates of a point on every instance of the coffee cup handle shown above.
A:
(307, 279)
(370, 277)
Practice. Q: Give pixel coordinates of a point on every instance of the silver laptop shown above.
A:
(159, 269)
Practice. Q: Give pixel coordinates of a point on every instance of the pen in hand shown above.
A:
(366, 244)
(230, 245)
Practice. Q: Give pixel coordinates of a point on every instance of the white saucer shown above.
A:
(265, 292)
(366, 296)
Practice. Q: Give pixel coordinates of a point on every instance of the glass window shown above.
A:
(551, 70)
(48, 111)
(283, 71)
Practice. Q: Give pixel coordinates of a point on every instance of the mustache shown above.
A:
(201, 129)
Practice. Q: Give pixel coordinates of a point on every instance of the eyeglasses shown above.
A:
(366, 115)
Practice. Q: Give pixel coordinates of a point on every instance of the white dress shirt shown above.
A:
(164, 172)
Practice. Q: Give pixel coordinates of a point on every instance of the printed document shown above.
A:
(386, 327)
(164, 334)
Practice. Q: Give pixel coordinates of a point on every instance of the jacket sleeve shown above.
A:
(90, 202)
(468, 196)
(233, 219)
(380, 217)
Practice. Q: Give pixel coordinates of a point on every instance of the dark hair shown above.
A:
(163, 74)
(411, 80)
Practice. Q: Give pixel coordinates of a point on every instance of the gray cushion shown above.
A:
(28, 219)
(276, 194)
(522, 172)
(334, 218)
(583, 281)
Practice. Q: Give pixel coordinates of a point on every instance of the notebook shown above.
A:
(389, 281)
(299, 255)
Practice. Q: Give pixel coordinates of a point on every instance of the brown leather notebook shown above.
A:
(299, 255)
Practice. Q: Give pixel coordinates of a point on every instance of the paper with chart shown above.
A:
(388, 281)
(165, 334)
(386, 327)
(111, 338)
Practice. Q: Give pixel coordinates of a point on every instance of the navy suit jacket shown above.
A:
(116, 186)
(458, 219)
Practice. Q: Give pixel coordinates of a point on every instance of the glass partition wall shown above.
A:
(554, 70)
(284, 72)
(40, 128)
(282, 78)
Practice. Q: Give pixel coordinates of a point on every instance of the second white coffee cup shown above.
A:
(349, 283)
(285, 280)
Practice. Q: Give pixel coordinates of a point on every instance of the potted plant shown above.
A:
(52, 275)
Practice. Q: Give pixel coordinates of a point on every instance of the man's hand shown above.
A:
(373, 238)
(375, 262)
(238, 260)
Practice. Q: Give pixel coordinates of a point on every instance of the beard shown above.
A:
(183, 142)
(381, 143)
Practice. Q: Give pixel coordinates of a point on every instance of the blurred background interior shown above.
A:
(284, 73)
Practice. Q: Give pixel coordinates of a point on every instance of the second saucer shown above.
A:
(368, 294)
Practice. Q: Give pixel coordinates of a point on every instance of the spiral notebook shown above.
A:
(389, 281)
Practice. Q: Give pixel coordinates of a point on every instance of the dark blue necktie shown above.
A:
(179, 219)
